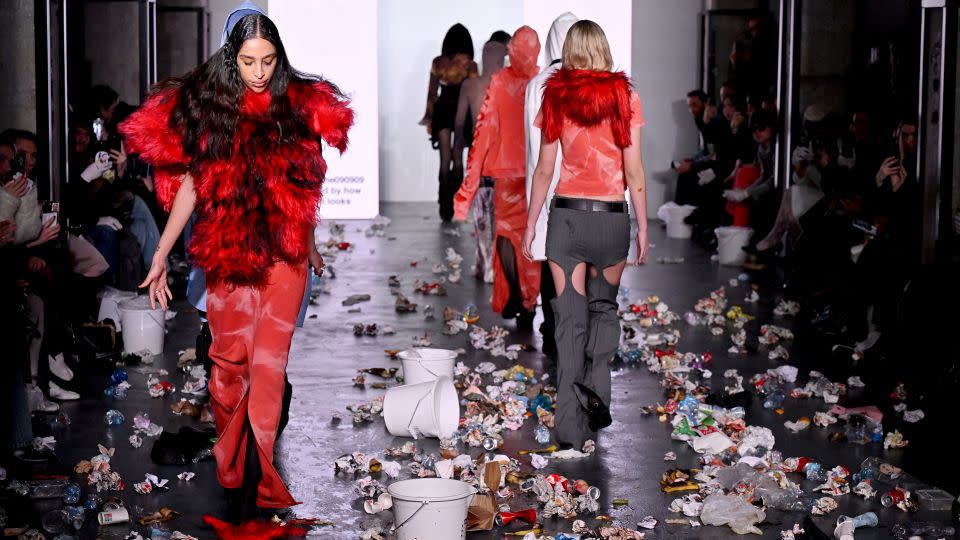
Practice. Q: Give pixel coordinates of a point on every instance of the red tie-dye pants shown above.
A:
(252, 329)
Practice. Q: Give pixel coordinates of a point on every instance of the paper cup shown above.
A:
(114, 516)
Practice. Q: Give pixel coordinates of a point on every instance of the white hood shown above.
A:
(558, 33)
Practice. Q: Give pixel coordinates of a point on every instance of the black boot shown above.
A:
(204, 340)
(445, 197)
(525, 320)
(242, 501)
(285, 405)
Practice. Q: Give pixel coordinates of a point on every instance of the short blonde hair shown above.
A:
(586, 47)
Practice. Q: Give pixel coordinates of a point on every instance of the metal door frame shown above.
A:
(935, 130)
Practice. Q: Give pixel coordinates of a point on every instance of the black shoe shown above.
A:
(204, 340)
(525, 321)
(597, 410)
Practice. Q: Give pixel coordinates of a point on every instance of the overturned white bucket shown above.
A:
(110, 299)
(427, 508)
(427, 365)
(674, 215)
(430, 409)
(143, 327)
(730, 243)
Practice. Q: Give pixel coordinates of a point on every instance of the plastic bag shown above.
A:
(741, 516)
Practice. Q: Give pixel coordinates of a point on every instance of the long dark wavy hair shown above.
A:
(457, 40)
(210, 95)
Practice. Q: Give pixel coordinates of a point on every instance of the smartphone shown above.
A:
(50, 209)
(18, 165)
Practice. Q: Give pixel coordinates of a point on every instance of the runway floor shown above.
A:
(326, 354)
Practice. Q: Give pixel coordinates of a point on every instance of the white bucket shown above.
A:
(730, 241)
(143, 328)
(428, 508)
(675, 215)
(426, 365)
(109, 300)
(430, 409)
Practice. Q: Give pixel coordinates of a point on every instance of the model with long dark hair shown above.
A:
(238, 141)
(447, 72)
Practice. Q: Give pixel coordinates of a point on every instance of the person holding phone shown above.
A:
(888, 260)
(18, 196)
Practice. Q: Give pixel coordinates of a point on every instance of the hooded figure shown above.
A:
(534, 97)
(498, 152)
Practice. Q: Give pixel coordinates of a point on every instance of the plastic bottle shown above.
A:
(71, 494)
(903, 531)
(815, 472)
(113, 417)
(541, 434)
(774, 400)
(471, 314)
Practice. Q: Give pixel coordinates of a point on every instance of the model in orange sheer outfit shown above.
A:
(498, 151)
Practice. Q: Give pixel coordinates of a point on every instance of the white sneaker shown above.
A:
(60, 368)
(61, 394)
(37, 402)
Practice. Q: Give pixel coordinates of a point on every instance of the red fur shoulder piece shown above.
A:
(148, 133)
(327, 116)
(587, 98)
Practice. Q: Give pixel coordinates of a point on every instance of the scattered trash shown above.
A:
(355, 299)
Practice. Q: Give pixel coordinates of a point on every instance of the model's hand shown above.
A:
(643, 246)
(316, 261)
(156, 282)
(684, 166)
(18, 187)
(528, 235)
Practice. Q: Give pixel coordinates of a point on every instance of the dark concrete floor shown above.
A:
(326, 354)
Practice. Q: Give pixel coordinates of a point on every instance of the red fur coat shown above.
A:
(587, 98)
(257, 207)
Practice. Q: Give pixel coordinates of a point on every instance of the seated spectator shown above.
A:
(118, 222)
(18, 198)
(708, 123)
(803, 192)
(760, 195)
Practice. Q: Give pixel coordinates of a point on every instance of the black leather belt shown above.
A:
(589, 205)
(486, 181)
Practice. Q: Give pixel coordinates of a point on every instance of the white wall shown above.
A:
(612, 15)
(666, 60)
(342, 49)
(410, 35)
